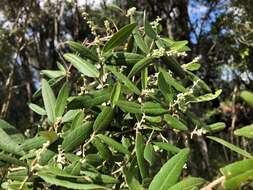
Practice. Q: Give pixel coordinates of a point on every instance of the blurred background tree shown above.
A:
(32, 35)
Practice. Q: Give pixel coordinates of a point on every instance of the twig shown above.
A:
(211, 185)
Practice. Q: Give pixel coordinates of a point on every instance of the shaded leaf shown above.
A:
(49, 100)
(231, 147)
(61, 100)
(84, 66)
(129, 84)
(119, 37)
(114, 144)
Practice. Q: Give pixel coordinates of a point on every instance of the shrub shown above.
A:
(119, 100)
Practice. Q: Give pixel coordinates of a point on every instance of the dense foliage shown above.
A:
(116, 131)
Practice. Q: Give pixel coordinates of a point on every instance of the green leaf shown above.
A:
(171, 81)
(115, 93)
(175, 123)
(49, 100)
(231, 147)
(236, 168)
(104, 119)
(237, 173)
(180, 46)
(167, 146)
(33, 143)
(49, 135)
(173, 65)
(140, 65)
(11, 160)
(9, 145)
(84, 66)
(188, 184)
(165, 88)
(206, 97)
(149, 154)
(114, 144)
(246, 131)
(12, 131)
(76, 137)
(90, 99)
(78, 120)
(37, 109)
(144, 78)
(130, 107)
(70, 115)
(53, 74)
(119, 37)
(139, 148)
(149, 31)
(192, 66)
(247, 97)
(215, 127)
(139, 41)
(153, 108)
(61, 100)
(100, 178)
(124, 58)
(83, 50)
(49, 178)
(129, 84)
(170, 172)
(103, 150)
(239, 180)
(132, 182)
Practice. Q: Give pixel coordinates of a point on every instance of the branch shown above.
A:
(211, 185)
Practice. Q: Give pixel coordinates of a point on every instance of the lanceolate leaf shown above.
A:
(246, 131)
(139, 148)
(83, 50)
(247, 97)
(104, 119)
(37, 109)
(237, 173)
(8, 145)
(140, 65)
(61, 100)
(103, 150)
(119, 37)
(153, 108)
(49, 100)
(124, 80)
(171, 81)
(53, 74)
(114, 144)
(84, 66)
(167, 146)
(130, 107)
(139, 41)
(231, 147)
(188, 184)
(170, 172)
(174, 122)
(124, 58)
(49, 178)
(132, 182)
(149, 154)
(206, 97)
(76, 137)
(115, 93)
